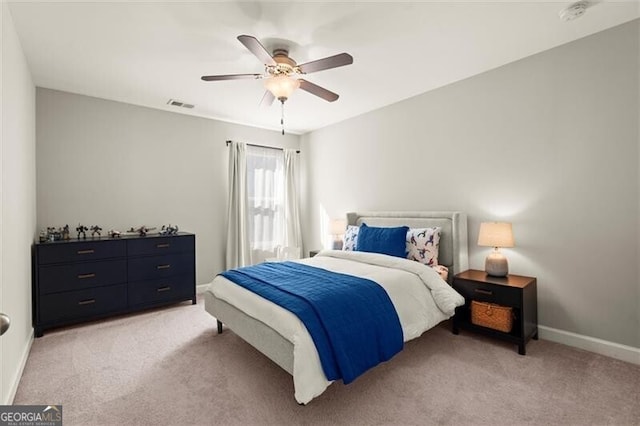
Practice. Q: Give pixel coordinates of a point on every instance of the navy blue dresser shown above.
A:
(81, 280)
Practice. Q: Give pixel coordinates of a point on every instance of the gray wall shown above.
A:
(549, 143)
(119, 165)
(18, 224)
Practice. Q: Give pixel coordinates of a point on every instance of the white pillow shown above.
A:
(422, 245)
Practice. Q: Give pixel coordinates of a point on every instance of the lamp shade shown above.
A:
(281, 86)
(337, 226)
(495, 234)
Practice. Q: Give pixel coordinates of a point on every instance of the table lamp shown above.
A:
(336, 229)
(496, 235)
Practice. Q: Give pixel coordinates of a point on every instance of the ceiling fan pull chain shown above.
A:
(282, 116)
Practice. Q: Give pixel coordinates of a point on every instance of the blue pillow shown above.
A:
(391, 241)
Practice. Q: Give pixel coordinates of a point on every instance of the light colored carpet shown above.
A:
(169, 367)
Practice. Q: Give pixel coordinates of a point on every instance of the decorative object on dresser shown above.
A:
(82, 231)
(77, 281)
(141, 231)
(494, 305)
(95, 230)
(66, 234)
(337, 228)
(52, 234)
(496, 235)
(168, 230)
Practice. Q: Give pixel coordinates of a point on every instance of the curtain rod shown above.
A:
(265, 146)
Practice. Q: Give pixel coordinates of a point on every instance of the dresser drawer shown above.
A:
(81, 275)
(83, 303)
(80, 251)
(161, 245)
(160, 290)
(154, 267)
(502, 295)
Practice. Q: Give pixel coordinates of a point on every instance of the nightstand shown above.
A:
(515, 291)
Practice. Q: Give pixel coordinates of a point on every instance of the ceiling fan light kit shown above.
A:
(281, 86)
(281, 73)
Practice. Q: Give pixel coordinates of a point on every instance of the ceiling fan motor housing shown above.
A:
(284, 64)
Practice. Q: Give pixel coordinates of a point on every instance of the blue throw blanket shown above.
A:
(351, 320)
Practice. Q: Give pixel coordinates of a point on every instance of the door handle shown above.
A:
(5, 322)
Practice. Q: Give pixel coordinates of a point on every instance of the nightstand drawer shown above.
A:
(80, 275)
(83, 303)
(161, 245)
(59, 252)
(161, 290)
(501, 295)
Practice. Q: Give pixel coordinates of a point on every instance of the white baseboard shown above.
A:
(200, 288)
(591, 344)
(15, 381)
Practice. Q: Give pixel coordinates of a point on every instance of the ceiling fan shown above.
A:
(282, 74)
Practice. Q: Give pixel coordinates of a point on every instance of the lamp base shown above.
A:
(337, 245)
(496, 265)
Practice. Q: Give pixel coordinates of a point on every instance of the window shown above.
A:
(265, 194)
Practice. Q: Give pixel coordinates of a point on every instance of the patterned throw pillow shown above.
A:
(422, 245)
(350, 238)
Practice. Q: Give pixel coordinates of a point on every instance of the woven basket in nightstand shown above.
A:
(492, 316)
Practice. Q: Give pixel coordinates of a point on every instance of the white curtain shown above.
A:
(293, 235)
(238, 246)
(265, 189)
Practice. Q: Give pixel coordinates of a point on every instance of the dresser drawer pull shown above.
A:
(167, 266)
(161, 289)
(84, 276)
(90, 251)
(87, 302)
(481, 291)
(165, 245)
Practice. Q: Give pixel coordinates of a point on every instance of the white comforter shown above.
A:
(420, 296)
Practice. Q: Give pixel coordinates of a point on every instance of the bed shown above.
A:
(282, 337)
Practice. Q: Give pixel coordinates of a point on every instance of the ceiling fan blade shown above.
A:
(321, 92)
(267, 99)
(230, 77)
(335, 61)
(257, 49)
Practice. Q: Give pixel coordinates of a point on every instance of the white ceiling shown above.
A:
(145, 53)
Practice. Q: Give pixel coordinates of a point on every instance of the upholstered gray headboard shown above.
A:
(453, 251)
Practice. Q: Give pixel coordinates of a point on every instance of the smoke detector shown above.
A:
(573, 11)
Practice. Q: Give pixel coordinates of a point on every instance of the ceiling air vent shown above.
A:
(177, 103)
